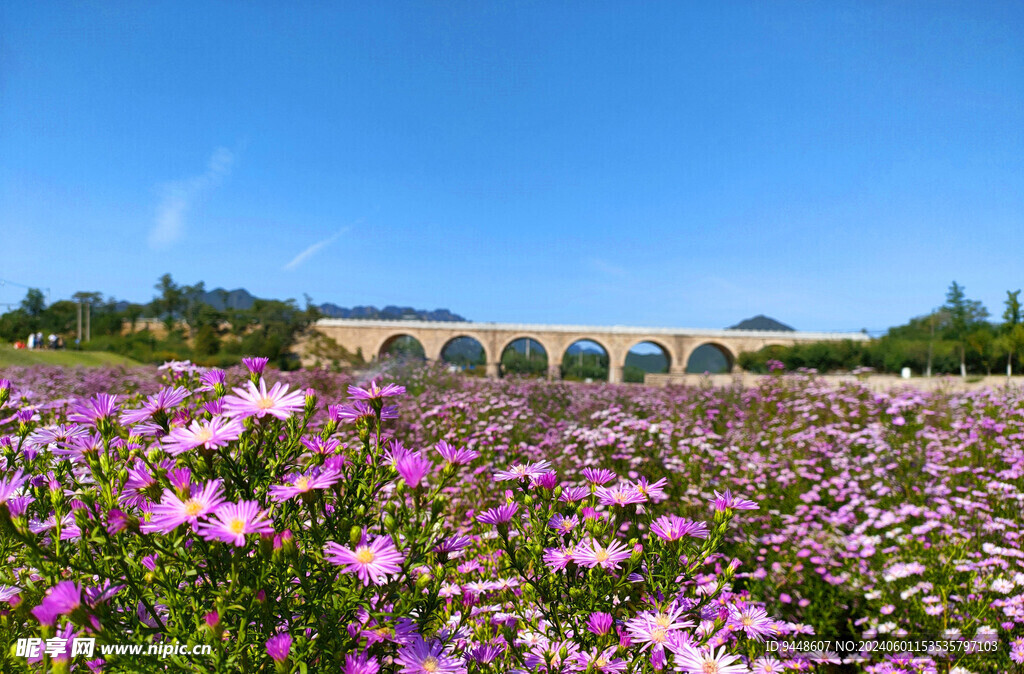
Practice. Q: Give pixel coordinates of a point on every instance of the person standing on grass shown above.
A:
(31, 341)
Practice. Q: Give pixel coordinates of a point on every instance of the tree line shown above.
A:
(192, 328)
(956, 338)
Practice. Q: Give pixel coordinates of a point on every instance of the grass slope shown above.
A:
(10, 356)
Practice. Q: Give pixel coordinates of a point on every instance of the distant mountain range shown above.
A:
(240, 298)
(761, 322)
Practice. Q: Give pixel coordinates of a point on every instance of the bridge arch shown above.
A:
(715, 357)
(582, 365)
(401, 343)
(642, 357)
(467, 350)
(530, 363)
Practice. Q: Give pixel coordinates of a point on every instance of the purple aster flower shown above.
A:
(370, 561)
(598, 476)
(727, 501)
(10, 594)
(574, 494)
(217, 432)
(234, 521)
(320, 446)
(62, 599)
(258, 402)
(212, 379)
(10, 485)
(162, 401)
(673, 527)
(594, 554)
(420, 657)
(256, 365)
(100, 407)
(374, 392)
(599, 623)
(453, 544)
(361, 664)
(499, 515)
(652, 490)
(172, 512)
(564, 525)
(601, 661)
(279, 646)
(412, 467)
(354, 412)
(298, 484)
(520, 471)
(456, 456)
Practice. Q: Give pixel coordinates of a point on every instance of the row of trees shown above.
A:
(192, 327)
(954, 338)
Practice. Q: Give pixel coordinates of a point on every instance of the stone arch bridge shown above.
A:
(678, 344)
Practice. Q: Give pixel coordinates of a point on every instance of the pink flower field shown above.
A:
(418, 521)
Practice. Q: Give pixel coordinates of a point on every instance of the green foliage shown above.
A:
(585, 365)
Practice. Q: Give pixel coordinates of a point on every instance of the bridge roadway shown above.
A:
(374, 337)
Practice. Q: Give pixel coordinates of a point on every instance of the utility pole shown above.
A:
(931, 343)
(79, 322)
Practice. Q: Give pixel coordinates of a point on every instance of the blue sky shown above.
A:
(834, 165)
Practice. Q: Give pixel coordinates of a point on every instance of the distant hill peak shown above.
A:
(761, 322)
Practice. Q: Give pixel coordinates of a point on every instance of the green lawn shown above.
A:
(10, 356)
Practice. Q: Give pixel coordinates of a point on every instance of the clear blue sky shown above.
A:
(831, 164)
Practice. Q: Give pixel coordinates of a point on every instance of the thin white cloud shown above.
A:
(177, 197)
(313, 250)
(608, 268)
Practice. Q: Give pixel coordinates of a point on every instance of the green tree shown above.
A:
(1012, 338)
(34, 303)
(169, 302)
(964, 316)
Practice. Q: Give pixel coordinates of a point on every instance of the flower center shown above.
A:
(193, 507)
(237, 526)
(658, 635)
(601, 555)
(203, 435)
(430, 664)
(709, 667)
(265, 403)
(302, 483)
(662, 620)
(365, 555)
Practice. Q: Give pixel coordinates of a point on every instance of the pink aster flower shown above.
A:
(258, 402)
(299, 484)
(172, 512)
(217, 432)
(413, 467)
(374, 392)
(234, 521)
(456, 456)
(370, 561)
(593, 554)
(599, 623)
(727, 501)
(752, 621)
(602, 661)
(559, 558)
(656, 628)
(699, 661)
(420, 657)
(318, 445)
(620, 495)
(211, 379)
(767, 665)
(673, 527)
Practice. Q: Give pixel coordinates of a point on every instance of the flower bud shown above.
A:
(355, 535)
